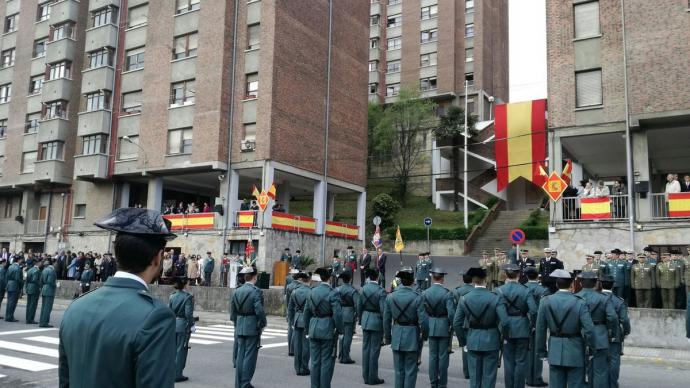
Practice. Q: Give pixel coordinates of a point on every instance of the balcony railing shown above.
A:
(613, 208)
(36, 227)
(670, 206)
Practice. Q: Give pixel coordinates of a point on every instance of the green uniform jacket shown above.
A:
(521, 309)
(87, 277)
(33, 281)
(210, 264)
(489, 265)
(680, 268)
(422, 270)
(666, 276)
(337, 267)
(603, 316)
(124, 327)
(348, 302)
(618, 268)
(537, 291)
(296, 304)
(182, 305)
(404, 319)
(461, 291)
(622, 312)
(642, 277)
(371, 305)
(3, 278)
(14, 278)
(479, 320)
(440, 307)
(247, 310)
(48, 281)
(323, 314)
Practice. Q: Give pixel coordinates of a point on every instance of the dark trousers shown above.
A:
(614, 359)
(224, 279)
(300, 346)
(535, 366)
(361, 275)
(382, 279)
(405, 365)
(564, 376)
(46, 308)
(31, 306)
(371, 349)
(438, 361)
(345, 343)
(515, 356)
(290, 336)
(322, 362)
(598, 373)
(181, 341)
(247, 352)
(2, 296)
(465, 367)
(207, 279)
(12, 297)
(483, 367)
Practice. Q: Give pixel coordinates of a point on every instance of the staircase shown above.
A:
(496, 234)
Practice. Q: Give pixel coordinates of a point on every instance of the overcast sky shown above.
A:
(527, 50)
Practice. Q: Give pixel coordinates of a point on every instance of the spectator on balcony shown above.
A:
(685, 186)
(581, 188)
(588, 190)
(619, 187)
(168, 209)
(602, 190)
(255, 206)
(279, 208)
(672, 185)
(180, 209)
(245, 205)
(206, 208)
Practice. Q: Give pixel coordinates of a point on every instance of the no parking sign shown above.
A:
(517, 236)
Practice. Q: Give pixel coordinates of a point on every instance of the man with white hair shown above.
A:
(672, 185)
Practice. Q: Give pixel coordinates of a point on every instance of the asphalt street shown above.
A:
(452, 264)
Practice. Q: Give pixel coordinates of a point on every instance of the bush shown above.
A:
(536, 232)
(491, 201)
(419, 233)
(385, 207)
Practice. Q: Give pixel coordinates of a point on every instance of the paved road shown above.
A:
(452, 264)
(28, 358)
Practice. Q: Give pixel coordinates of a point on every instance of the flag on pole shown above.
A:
(540, 176)
(679, 204)
(249, 249)
(272, 191)
(595, 208)
(567, 174)
(399, 245)
(255, 192)
(376, 240)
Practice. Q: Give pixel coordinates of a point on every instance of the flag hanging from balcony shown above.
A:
(520, 142)
(679, 204)
(595, 208)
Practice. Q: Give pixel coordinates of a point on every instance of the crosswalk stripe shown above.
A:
(274, 345)
(231, 328)
(44, 339)
(21, 363)
(29, 349)
(25, 331)
(224, 333)
(203, 342)
(212, 337)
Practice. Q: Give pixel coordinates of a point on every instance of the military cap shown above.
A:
(560, 274)
(370, 273)
(405, 273)
(676, 252)
(524, 250)
(248, 270)
(138, 222)
(438, 271)
(323, 271)
(616, 251)
(485, 252)
(589, 256)
(287, 249)
(350, 247)
(294, 271)
(346, 276)
(298, 251)
(647, 249)
(598, 252)
(510, 267)
(641, 255)
(315, 277)
(531, 270)
(477, 272)
(587, 275)
(606, 278)
(301, 275)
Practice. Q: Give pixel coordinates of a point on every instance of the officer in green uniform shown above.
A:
(666, 280)
(404, 323)
(208, 269)
(182, 305)
(351, 261)
(522, 315)
(429, 265)
(642, 281)
(295, 313)
(3, 280)
(15, 282)
(616, 344)
(336, 270)
(566, 317)
(421, 273)
(86, 278)
(370, 308)
(440, 308)
(32, 289)
(324, 318)
(500, 274)
(590, 266)
(480, 319)
(458, 294)
(488, 264)
(348, 302)
(48, 284)
(606, 325)
(534, 364)
(679, 263)
(617, 266)
(600, 263)
(135, 331)
(290, 285)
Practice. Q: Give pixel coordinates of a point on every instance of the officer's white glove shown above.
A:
(193, 329)
(57, 284)
(464, 349)
(340, 336)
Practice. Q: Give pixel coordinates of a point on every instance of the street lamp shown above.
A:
(146, 159)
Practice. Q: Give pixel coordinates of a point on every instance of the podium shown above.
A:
(280, 272)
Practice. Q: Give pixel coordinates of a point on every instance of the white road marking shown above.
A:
(25, 331)
(21, 363)
(44, 339)
(223, 333)
(29, 349)
(274, 345)
(203, 342)
(231, 329)
(212, 337)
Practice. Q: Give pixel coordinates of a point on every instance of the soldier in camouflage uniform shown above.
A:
(667, 280)
(642, 280)
(488, 264)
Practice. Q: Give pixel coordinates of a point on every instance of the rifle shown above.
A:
(500, 349)
(588, 357)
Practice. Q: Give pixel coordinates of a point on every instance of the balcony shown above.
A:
(57, 89)
(10, 226)
(89, 167)
(91, 123)
(53, 129)
(98, 4)
(103, 36)
(35, 227)
(670, 207)
(53, 171)
(195, 221)
(61, 50)
(96, 79)
(613, 208)
(63, 11)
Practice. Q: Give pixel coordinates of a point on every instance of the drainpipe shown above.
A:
(628, 139)
(328, 120)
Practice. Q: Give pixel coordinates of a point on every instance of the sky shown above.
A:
(527, 29)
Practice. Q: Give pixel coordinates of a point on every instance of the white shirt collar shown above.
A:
(606, 291)
(479, 286)
(127, 275)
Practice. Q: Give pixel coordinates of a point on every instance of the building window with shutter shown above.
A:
(3, 128)
(588, 88)
(182, 93)
(131, 102)
(253, 36)
(98, 101)
(28, 160)
(32, 122)
(36, 84)
(252, 86)
(180, 141)
(5, 93)
(51, 150)
(586, 18)
(185, 46)
(93, 144)
(8, 58)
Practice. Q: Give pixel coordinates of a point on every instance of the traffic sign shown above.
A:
(427, 221)
(554, 186)
(377, 221)
(517, 236)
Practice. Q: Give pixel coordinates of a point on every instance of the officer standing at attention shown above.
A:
(348, 302)
(479, 320)
(182, 305)
(209, 265)
(48, 284)
(370, 308)
(500, 274)
(421, 273)
(524, 262)
(3, 279)
(404, 323)
(440, 307)
(286, 256)
(522, 315)
(458, 294)
(566, 317)
(86, 278)
(248, 316)
(429, 265)
(534, 364)
(32, 289)
(616, 342)
(488, 264)
(15, 282)
(336, 269)
(296, 262)
(617, 266)
(135, 331)
(642, 281)
(549, 263)
(295, 313)
(666, 280)
(290, 285)
(324, 318)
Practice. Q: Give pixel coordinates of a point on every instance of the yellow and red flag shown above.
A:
(272, 191)
(255, 192)
(595, 208)
(567, 174)
(399, 244)
(520, 141)
(679, 204)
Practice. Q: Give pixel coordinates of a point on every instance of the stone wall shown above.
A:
(438, 247)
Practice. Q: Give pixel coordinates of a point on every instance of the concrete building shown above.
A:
(102, 108)
(593, 58)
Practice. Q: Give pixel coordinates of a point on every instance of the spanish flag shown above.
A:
(679, 204)
(272, 191)
(255, 192)
(567, 174)
(595, 208)
(520, 141)
(399, 245)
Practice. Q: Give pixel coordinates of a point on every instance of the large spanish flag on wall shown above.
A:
(520, 139)
(595, 208)
(679, 204)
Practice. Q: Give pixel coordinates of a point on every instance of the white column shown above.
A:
(154, 197)
(320, 193)
(640, 155)
(124, 194)
(267, 180)
(232, 204)
(556, 164)
(284, 194)
(331, 207)
(362, 214)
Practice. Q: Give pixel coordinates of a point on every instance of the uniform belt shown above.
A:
(323, 315)
(599, 323)
(347, 305)
(517, 314)
(299, 311)
(444, 315)
(372, 311)
(572, 335)
(246, 314)
(477, 326)
(405, 323)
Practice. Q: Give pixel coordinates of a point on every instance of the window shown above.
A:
(185, 45)
(373, 65)
(429, 35)
(250, 131)
(36, 84)
(32, 120)
(470, 105)
(186, 6)
(62, 31)
(469, 30)
(427, 59)
(101, 57)
(59, 70)
(394, 43)
(40, 48)
(426, 84)
(28, 160)
(180, 141)
(429, 12)
(103, 16)
(373, 88)
(5, 93)
(394, 2)
(135, 59)
(469, 6)
(374, 20)
(43, 12)
(3, 128)
(182, 93)
(394, 21)
(51, 150)
(469, 54)
(253, 36)
(11, 23)
(252, 85)
(469, 77)
(588, 88)
(93, 144)
(374, 43)
(131, 102)
(7, 57)
(137, 16)
(80, 211)
(586, 18)
(128, 148)
(98, 101)
(393, 66)
(54, 110)
(392, 90)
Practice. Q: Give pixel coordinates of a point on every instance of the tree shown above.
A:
(385, 207)
(400, 132)
(451, 127)
(374, 118)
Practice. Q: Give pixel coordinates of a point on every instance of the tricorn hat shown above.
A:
(138, 222)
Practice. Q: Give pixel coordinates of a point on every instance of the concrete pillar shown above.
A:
(284, 195)
(556, 164)
(268, 176)
(331, 207)
(362, 214)
(124, 194)
(231, 204)
(641, 173)
(320, 194)
(154, 197)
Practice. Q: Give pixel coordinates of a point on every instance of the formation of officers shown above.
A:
(40, 282)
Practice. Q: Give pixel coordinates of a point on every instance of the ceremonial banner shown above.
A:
(272, 191)
(190, 221)
(399, 245)
(520, 142)
(338, 229)
(679, 204)
(595, 208)
(376, 240)
(255, 192)
(284, 221)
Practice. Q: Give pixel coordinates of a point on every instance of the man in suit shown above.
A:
(32, 288)
(15, 282)
(297, 260)
(364, 263)
(440, 308)
(209, 265)
(459, 293)
(370, 309)
(295, 312)
(685, 185)
(48, 285)
(348, 301)
(135, 331)
(381, 266)
(616, 344)
(286, 256)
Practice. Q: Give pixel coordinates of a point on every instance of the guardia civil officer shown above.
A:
(295, 313)
(535, 365)
(290, 285)
(3, 279)
(15, 282)
(458, 294)
(440, 307)
(182, 305)
(32, 289)
(566, 318)
(48, 285)
(616, 344)
(249, 318)
(348, 301)
(404, 323)
(479, 320)
(86, 278)
(370, 308)
(323, 316)
(135, 331)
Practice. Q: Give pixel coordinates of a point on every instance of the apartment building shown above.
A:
(110, 103)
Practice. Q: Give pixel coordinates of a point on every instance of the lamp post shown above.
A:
(146, 159)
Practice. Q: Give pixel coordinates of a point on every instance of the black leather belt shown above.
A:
(482, 327)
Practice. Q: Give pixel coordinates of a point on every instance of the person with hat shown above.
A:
(566, 318)
(522, 315)
(617, 266)
(616, 344)
(86, 278)
(479, 320)
(404, 323)
(209, 265)
(666, 280)
(600, 263)
(351, 260)
(500, 274)
(32, 288)
(135, 331)
(324, 317)
(48, 285)
(534, 364)
(589, 266)
(549, 263)
(15, 282)
(290, 285)
(370, 308)
(458, 294)
(421, 273)
(336, 269)
(296, 261)
(348, 302)
(249, 318)
(679, 262)
(524, 262)
(182, 305)
(295, 315)
(642, 281)
(429, 265)
(629, 262)
(606, 324)
(440, 308)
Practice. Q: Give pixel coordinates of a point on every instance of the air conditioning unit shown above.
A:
(247, 145)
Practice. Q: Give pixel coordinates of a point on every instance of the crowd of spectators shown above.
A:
(190, 208)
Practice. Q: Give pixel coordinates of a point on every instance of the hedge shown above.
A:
(419, 233)
(536, 232)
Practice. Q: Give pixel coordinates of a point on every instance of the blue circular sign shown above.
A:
(427, 221)
(517, 236)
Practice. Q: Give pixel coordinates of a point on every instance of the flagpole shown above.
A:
(464, 176)
(628, 139)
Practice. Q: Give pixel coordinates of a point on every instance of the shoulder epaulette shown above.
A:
(578, 296)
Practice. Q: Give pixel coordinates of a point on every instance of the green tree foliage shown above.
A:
(385, 207)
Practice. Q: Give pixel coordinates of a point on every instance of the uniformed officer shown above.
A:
(421, 272)
(642, 281)
(617, 266)
(429, 265)
(348, 302)
(616, 344)
(524, 262)
(679, 263)
(666, 280)
(488, 264)
(289, 287)
(370, 308)
(589, 265)
(600, 263)
(296, 304)
(500, 274)
(182, 305)
(3, 280)
(534, 364)
(15, 282)
(440, 308)
(404, 322)
(351, 260)
(606, 325)
(135, 331)
(336, 269)
(249, 318)
(629, 262)
(458, 294)
(86, 278)
(48, 285)
(522, 315)
(566, 317)
(323, 315)
(549, 263)
(32, 289)
(286, 256)
(296, 262)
